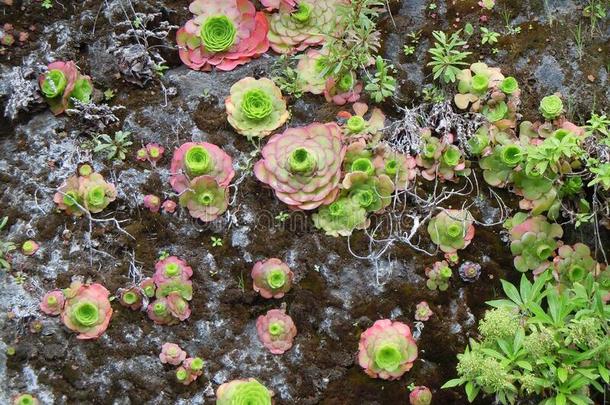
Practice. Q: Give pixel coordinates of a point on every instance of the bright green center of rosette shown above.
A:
(577, 273)
(388, 357)
(301, 161)
(509, 85)
(256, 104)
(429, 150)
(172, 269)
(86, 313)
(54, 83)
(25, 399)
(356, 124)
(337, 209)
(451, 157)
(250, 393)
(480, 83)
(275, 329)
(82, 90)
(159, 308)
(455, 230)
(391, 167)
(130, 297)
(543, 251)
(218, 33)
(511, 155)
(71, 198)
(364, 197)
(363, 165)
(276, 278)
(198, 161)
(51, 300)
(302, 13)
(205, 197)
(96, 196)
(346, 82)
(197, 364)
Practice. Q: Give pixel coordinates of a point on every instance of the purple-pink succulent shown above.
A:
(131, 298)
(152, 202)
(52, 302)
(87, 309)
(158, 311)
(272, 278)
(171, 268)
(178, 306)
(276, 330)
(148, 287)
(222, 34)
(420, 395)
(190, 370)
(423, 311)
(338, 94)
(172, 354)
(303, 165)
(152, 152)
(387, 350)
(195, 159)
(169, 206)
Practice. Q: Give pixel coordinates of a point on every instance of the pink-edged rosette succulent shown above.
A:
(190, 370)
(87, 309)
(243, 391)
(68, 197)
(276, 330)
(399, 167)
(303, 165)
(420, 395)
(172, 354)
(423, 311)
(178, 306)
(152, 202)
(158, 311)
(169, 206)
(272, 278)
(61, 82)
(95, 192)
(148, 287)
(360, 124)
(131, 298)
(171, 268)
(222, 34)
(277, 4)
(309, 72)
(194, 159)
(387, 350)
(339, 94)
(205, 199)
(52, 302)
(29, 247)
(152, 152)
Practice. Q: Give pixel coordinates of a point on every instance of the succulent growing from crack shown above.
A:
(551, 107)
(172, 354)
(61, 83)
(29, 247)
(345, 90)
(194, 159)
(52, 302)
(360, 125)
(574, 263)
(341, 217)
(87, 309)
(169, 206)
(423, 311)
(178, 306)
(420, 395)
(158, 311)
(438, 276)
(25, 399)
(223, 35)
(439, 158)
(190, 370)
(152, 152)
(451, 230)
(373, 193)
(243, 391)
(532, 241)
(272, 278)
(306, 24)
(96, 192)
(470, 271)
(387, 350)
(152, 202)
(400, 168)
(148, 287)
(499, 165)
(173, 275)
(309, 72)
(255, 108)
(131, 298)
(276, 331)
(205, 199)
(303, 165)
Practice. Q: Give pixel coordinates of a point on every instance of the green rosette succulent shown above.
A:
(373, 193)
(574, 263)
(255, 108)
(452, 230)
(309, 72)
(533, 241)
(551, 107)
(295, 29)
(341, 217)
(538, 191)
(243, 392)
(473, 85)
(205, 198)
(498, 167)
(95, 192)
(479, 142)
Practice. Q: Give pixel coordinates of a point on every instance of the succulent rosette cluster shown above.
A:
(343, 90)
(387, 350)
(438, 276)
(255, 108)
(309, 72)
(574, 263)
(190, 370)
(25, 399)
(439, 158)
(420, 395)
(172, 354)
(362, 124)
(452, 230)
(341, 217)
(276, 331)
(52, 302)
(86, 309)
(172, 288)
(131, 298)
(423, 311)
(63, 82)
(222, 34)
(90, 192)
(272, 278)
(499, 164)
(533, 241)
(201, 173)
(303, 165)
(299, 25)
(152, 153)
(399, 167)
(243, 391)
(485, 90)
(152, 202)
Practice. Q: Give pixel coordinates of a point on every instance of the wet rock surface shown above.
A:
(336, 295)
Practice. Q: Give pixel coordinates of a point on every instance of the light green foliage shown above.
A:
(599, 124)
(557, 345)
(413, 40)
(596, 11)
(5, 248)
(46, 4)
(433, 94)
(552, 153)
(113, 148)
(446, 58)
(488, 36)
(286, 77)
(216, 241)
(382, 85)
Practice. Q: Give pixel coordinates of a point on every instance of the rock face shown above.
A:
(335, 296)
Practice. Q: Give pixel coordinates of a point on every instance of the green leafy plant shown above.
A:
(216, 241)
(599, 124)
(382, 85)
(488, 36)
(5, 248)
(596, 11)
(433, 94)
(113, 148)
(540, 341)
(552, 153)
(286, 77)
(446, 58)
(46, 4)
(409, 50)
